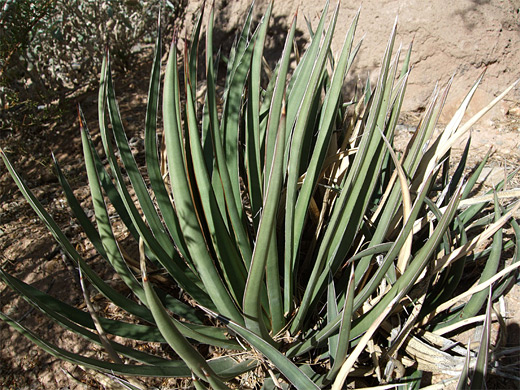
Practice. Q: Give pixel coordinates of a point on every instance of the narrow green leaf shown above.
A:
(267, 224)
(110, 189)
(344, 331)
(209, 110)
(478, 380)
(458, 174)
(78, 211)
(231, 112)
(223, 185)
(265, 107)
(293, 170)
(251, 305)
(462, 384)
(193, 53)
(332, 312)
(172, 263)
(134, 174)
(275, 109)
(151, 153)
(106, 234)
(320, 149)
(477, 300)
(301, 75)
(230, 260)
(505, 284)
(413, 271)
(274, 293)
(475, 176)
(252, 133)
(182, 195)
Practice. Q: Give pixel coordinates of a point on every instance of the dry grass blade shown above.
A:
(407, 327)
(462, 324)
(465, 128)
(505, 194)
(406, 250)
(477, 241)
(471, 291)
(353, 357)
(101, 332)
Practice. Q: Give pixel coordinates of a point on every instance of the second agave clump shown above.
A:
(287, 227)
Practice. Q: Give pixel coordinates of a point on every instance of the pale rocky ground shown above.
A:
(450, 38)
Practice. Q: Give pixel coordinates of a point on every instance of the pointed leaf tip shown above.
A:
(81, 127)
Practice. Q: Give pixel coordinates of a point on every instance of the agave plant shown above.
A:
(290, 234)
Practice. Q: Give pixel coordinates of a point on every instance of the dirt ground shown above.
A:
(28, 251)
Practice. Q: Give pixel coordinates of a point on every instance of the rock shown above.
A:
(515, 111)
(491, 176)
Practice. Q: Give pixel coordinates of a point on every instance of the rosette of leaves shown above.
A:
(292, 236)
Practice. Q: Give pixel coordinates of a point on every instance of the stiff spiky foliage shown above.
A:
(287, 227)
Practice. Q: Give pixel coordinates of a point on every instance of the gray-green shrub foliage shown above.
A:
(49, 48)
